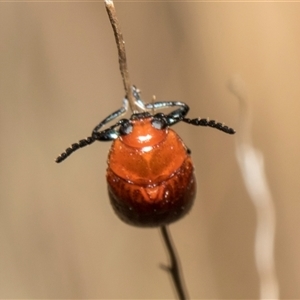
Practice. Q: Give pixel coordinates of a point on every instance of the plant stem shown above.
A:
(110, 8)
(174, 268)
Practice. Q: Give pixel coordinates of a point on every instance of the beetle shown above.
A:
(150, 174)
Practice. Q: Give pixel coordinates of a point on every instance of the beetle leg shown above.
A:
(110, 133)
(112, 116)
(174, 116)
(138, 101)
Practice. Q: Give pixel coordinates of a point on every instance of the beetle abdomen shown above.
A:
(153, 205)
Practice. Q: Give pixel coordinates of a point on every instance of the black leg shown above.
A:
(174, 116)
(112, 116)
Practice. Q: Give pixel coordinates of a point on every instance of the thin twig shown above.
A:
(174, 268)
(110, 8)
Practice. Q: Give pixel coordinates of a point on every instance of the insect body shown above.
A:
(150, 174)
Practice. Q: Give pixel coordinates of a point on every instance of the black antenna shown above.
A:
(209, 123)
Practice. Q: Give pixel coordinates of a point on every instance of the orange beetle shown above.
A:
(150, 174)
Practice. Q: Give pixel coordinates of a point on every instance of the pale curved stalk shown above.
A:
(251, 163)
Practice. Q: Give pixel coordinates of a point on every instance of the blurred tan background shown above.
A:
(59, 237)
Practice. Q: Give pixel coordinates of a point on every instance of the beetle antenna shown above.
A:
(74, 147)
(110, 8)
(209, 123)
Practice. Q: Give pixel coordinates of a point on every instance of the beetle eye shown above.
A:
(125, 128)
(159, 121)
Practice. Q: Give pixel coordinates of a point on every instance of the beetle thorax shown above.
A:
(144, 135)
(147, 162)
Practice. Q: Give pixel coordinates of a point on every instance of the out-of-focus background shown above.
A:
(59, 237)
